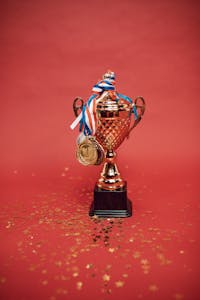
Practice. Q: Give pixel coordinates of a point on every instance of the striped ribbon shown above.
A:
(134, 110)
(88, 120)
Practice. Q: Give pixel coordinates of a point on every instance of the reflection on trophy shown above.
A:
(105, 121)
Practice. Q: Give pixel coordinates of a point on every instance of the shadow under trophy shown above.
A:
(112, 113)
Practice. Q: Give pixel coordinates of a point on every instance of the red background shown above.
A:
(52, 52)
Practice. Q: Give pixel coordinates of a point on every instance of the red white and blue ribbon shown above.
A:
(87, 118)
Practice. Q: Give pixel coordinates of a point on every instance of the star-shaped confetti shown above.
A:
(119, 283)
(153, 288)
(106, 277)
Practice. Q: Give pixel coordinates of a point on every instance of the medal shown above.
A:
(89, 152)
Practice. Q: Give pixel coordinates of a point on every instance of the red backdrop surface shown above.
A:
(52, 52)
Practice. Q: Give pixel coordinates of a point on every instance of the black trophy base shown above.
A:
(111, 204)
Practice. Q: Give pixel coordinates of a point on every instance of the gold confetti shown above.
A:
(64, 278)
(131, 240)
(163, 260)
(89, 266)
(106, 290)
(26, 231)
(182, 251)
(136, 254)
(108, 267)
(153, 288)
(111, 250)
(75, 274)
(106, 277)
(79, 285)
(9, 224)
(58, 263)
(144, 261)
(119, 283)
(2, 280)
(125, 275)
(32, 268)
(178, 296)
(61, 291)
(45, 282)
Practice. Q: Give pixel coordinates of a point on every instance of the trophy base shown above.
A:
(111, 204)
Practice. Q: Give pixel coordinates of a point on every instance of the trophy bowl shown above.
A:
(114, 118)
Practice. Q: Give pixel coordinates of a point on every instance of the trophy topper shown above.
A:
(104, 122)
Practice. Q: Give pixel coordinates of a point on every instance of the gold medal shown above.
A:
(89, 152)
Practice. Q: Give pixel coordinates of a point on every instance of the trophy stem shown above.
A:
(110, 192)
(110, 178)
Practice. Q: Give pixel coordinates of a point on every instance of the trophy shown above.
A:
(105, 122)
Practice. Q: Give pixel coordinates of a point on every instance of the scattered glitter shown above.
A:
(108, 267)
(78, 239)
(144, 261)
(111, 250)
(45, 282)
(163, 260)
(79, 285)
(58, 263)
(2, 280)
(89, 266)
(178, 296)
(32, 268)
(136, 254)
(106, 277)
(61, 291)
(9, 224)
(153, 288)
(119, 283)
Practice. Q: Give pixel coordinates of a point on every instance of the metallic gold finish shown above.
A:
(89, 152)
(114, 118)
(110, 178)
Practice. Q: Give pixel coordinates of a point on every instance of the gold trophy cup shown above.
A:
(113, 114)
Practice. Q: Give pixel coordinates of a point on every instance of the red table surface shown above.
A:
(52, 52)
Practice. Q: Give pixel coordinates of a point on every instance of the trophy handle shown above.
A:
(140, 108)
(78, 105)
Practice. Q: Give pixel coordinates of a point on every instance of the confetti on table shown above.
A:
(153, 288)
(79, 285)
(119, 283)
(106, 277)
